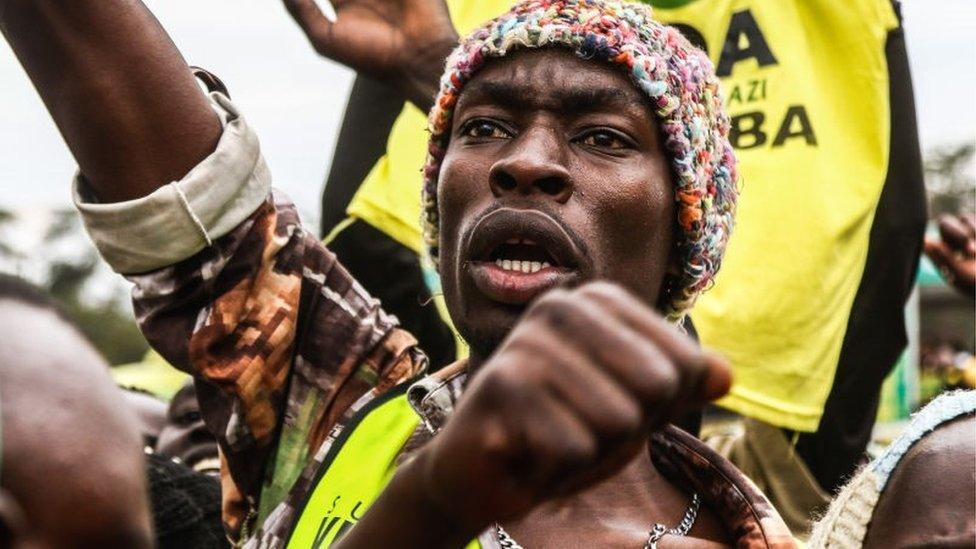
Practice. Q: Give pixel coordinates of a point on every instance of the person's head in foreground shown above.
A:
(72, 461)
(574, 142)
(921, 492)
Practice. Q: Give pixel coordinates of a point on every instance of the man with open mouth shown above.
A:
(580, 192)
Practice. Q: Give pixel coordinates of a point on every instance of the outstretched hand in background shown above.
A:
(954, 252)
(402, 42)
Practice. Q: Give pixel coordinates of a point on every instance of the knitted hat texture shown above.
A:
(683, 91)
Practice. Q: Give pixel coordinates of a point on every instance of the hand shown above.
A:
(403, 42)
(567, 400)
(955, 252)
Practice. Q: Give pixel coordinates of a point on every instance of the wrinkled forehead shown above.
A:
(554, 79)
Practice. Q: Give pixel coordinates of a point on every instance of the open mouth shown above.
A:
(516, 255)
(521, 255)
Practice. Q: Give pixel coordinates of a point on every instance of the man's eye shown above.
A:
(604, 140)
(485, 129)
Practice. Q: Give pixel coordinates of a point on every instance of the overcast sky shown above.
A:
(295, 98)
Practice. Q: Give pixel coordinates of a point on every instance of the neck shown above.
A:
(635, 490)
(616, 512)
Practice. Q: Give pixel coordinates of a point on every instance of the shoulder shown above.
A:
(931, 495)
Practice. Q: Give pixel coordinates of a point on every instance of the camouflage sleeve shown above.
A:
(230, 288)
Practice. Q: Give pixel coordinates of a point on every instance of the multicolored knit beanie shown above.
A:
(683, 90)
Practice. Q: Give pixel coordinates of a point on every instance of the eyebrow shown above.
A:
(517, 96)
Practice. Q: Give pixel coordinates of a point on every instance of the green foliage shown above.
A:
(111, 330)
(109, 324)
(71, 278)
(6, 250)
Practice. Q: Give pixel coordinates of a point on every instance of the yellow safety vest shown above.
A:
(806, 85)
(357, 468)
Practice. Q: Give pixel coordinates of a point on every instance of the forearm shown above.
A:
(117, 88)
(404, 516)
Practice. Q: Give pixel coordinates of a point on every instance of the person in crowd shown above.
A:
(831, 225)
(946, 363)
(920, 492)
(560, 131)
(185, 505)
(72, 464)
(185, 437)
(182, 468)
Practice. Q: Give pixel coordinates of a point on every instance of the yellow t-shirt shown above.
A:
(806, 85)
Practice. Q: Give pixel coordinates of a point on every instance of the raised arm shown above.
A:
(228, 285)
(118, 90)
(401, 42)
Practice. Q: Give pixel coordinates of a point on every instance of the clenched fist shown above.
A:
(567, 399)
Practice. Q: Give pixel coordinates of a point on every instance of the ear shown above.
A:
(13, 522)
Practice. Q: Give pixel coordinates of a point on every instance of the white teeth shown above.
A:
(521, 266)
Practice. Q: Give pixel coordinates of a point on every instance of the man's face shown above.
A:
(185, 436)
(554, 175)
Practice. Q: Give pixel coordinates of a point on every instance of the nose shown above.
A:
(535, 165)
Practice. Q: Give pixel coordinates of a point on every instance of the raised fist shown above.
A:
(566, 400)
